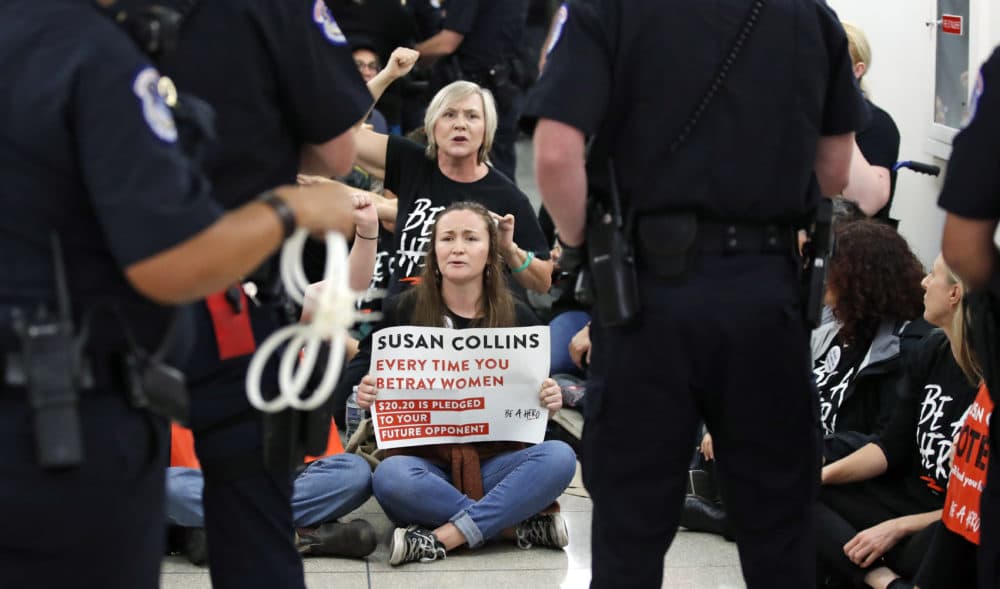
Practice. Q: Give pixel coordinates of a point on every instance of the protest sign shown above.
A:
(439, 386)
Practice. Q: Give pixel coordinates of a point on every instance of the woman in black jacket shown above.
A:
(873, 293)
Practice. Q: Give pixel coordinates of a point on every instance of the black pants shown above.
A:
(727, 345)
(845, 510)
(98, 526)
(248, 514)
(989, 509)
(950, 561)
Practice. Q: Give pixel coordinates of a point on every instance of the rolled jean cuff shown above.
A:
(468, 528)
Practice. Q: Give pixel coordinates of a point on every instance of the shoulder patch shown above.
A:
(154, 109)
(562, 15)
(327, 24)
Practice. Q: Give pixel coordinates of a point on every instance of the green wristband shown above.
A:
(524, 266)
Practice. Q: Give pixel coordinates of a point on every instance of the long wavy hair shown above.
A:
(874, 277)
(496, 305)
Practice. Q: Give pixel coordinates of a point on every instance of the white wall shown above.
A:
(901, 81)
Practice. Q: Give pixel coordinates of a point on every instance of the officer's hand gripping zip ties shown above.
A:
(334, 314)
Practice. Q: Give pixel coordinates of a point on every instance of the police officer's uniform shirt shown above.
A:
(281, 77)
(491, 28)
(925, 422)
(89, 149)
(424, 191)
(751, 156)
(972, 185)
(878, 141)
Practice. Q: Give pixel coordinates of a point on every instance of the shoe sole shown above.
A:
(562, 532)
(397, 548)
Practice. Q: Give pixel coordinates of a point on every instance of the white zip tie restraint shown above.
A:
(334, 315)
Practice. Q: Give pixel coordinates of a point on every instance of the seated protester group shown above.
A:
(460, 123)
(449, 495)
(872, 325)
(878, 504)
(873, 291)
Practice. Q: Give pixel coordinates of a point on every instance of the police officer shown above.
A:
(971, 197)
(478, 41)
(89, 152)
(711, 221)
(281, 79)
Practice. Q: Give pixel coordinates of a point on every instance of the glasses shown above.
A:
(371, 66)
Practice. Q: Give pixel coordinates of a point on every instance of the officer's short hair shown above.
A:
(451, 94)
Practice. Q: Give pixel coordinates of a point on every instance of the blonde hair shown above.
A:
(859, 48)
(964, 354)
(449, 95)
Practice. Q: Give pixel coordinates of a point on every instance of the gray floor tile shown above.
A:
(480, 579)
(318, 564)
(697, 549)
(337, 581)
(185, 581)
(721, 577)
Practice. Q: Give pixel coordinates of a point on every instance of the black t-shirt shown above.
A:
(751, 156)
(271, 70)
(491, 28)
(972, 185)
(424, 191)
(879, 143)
(834, 371)
(917, 442)
(89, 149)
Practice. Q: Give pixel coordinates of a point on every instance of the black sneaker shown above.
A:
(412, 544)
(542, 530)
(195, 545)
(355, 539)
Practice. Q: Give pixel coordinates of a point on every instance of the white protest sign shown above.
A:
(441, 386)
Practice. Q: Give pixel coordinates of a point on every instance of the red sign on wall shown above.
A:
(951, 24)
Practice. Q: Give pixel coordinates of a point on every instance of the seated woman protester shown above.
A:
(877, 529)
(873, 291)
(502, 489)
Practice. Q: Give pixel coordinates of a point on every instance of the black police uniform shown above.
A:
(726, 341)
(279, 75)
(972, 190)
(492, 30)
(88, 150)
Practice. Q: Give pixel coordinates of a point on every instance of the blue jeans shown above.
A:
(518, 485)
(327, 489)
(562, 328)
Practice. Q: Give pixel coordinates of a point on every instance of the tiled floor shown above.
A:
(695, 561)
